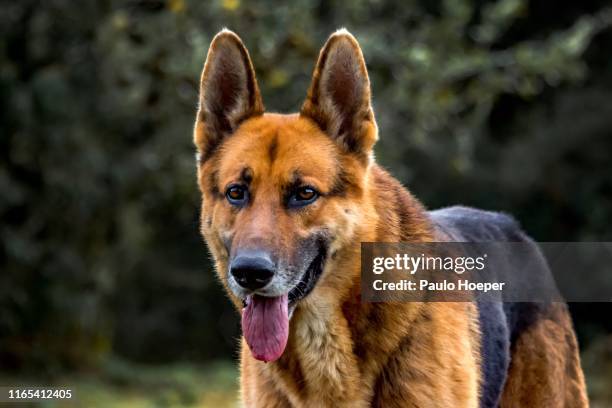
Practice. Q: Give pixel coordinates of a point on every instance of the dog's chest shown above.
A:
(322, 363)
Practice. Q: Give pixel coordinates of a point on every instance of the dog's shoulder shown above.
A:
(500, 323)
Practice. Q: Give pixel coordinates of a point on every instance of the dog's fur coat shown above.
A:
(341, 352)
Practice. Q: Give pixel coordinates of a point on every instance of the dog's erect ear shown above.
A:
(228, 92)
(339, 96)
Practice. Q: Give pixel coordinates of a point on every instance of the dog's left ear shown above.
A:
(228, 92)
(338, 99)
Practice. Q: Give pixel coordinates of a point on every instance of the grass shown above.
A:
(122, 384)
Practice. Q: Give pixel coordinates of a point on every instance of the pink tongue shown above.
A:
(265, 325)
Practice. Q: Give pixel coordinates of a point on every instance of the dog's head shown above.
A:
(280, 193)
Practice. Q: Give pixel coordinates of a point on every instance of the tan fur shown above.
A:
(341, 352)
(545, 369)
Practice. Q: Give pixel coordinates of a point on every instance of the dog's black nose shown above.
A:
(252, 270)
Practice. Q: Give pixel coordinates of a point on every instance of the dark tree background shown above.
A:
(504, 105)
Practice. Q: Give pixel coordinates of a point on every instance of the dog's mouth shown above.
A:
(265, 320)
(307, 282)
(310, 277)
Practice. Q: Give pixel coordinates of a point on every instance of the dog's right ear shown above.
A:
(339, 95)
(228, 92)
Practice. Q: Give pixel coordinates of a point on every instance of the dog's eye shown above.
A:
(303, 196)
(237, 195)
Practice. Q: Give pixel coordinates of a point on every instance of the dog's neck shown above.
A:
(405, 220)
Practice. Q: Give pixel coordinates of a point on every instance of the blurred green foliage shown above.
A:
(499, 104)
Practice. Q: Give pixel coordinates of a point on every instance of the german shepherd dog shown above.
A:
(286, 202)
